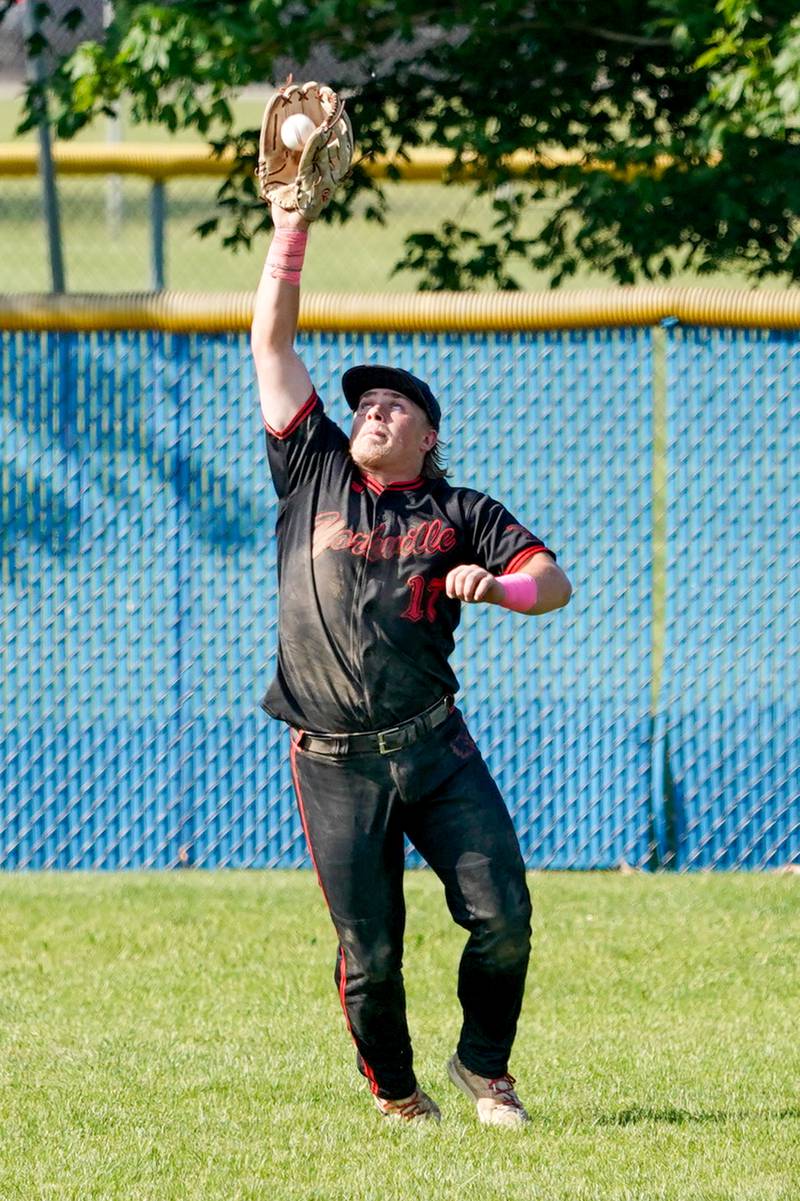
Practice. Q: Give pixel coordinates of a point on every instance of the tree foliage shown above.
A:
(680, 119)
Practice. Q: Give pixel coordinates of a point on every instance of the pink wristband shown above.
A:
(520, 591)
(286, 254)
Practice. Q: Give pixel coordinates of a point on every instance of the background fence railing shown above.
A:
(655, 720)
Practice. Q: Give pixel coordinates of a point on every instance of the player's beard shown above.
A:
(370, 453)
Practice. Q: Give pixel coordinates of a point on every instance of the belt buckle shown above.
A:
(391, 740)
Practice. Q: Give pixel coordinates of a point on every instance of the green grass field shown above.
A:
(178, 1037)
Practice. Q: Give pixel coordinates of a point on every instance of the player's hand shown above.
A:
(471, 583)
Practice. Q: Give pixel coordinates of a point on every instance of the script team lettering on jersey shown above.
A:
(426, 538)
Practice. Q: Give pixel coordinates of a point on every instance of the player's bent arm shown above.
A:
(474, 584)
(284, 384)
(553, 587)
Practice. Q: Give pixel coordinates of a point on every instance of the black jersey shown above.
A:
(365, 627)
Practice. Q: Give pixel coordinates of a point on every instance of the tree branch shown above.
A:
(613, 35)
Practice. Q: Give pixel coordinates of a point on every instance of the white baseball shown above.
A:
(296, 131)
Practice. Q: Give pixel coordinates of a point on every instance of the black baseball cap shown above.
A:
(359, 380)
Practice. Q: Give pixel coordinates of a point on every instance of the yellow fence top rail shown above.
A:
(418, 312)
(158, 161)
(125, 158)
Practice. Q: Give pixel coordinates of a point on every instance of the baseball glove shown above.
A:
(304, 180)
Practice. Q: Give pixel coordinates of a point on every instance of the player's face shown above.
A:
(390, 434)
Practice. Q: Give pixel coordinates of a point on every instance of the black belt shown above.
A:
(382, 741)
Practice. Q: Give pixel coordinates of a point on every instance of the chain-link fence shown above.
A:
(108, 233)
(729, 718)
(139, 604)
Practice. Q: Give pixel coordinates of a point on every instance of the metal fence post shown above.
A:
(158, 215)
(49, 194)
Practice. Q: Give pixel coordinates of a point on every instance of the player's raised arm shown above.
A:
(305, 149)
(284, 384)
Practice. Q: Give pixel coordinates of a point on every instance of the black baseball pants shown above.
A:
(438, 791)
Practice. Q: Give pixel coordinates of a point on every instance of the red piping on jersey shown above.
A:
(395, 486)
(298, 418)
(368, 1072)
(523, 556)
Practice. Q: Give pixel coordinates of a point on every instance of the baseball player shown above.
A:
(377, 552)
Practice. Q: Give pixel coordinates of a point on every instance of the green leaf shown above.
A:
(72, 18)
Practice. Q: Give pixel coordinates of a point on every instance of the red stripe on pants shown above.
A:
(343, 971)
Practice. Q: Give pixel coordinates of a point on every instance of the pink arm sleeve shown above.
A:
(286, 253)
(520, 591)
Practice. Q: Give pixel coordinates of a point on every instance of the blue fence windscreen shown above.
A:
(729, 718)
(139, 603)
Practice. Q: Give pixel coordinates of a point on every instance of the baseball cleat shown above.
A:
(419, 1107)
(495, 1099)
